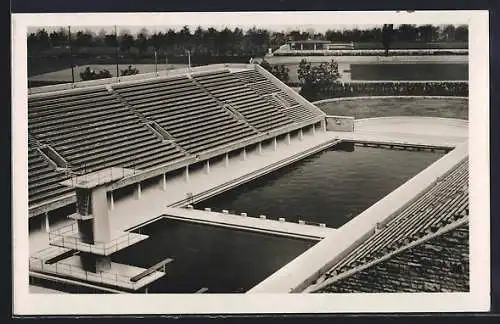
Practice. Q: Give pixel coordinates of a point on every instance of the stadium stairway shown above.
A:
(189, 114)
(237, 115)
(274, 95)
(154, 127)
(93, 130)
(43, 177)
(229, 89)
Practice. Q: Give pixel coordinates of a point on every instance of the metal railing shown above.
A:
(74, 271)
(60, 237)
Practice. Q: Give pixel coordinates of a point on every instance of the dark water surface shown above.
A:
(220, 259)
(330, 187)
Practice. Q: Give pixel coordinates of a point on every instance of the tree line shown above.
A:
(232, 42)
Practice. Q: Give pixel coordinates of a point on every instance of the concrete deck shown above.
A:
(428, 131)
(248, 223)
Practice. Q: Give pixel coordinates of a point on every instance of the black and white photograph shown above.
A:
(278, 162)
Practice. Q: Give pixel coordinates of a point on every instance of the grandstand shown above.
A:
(155, 125)
(146, 124)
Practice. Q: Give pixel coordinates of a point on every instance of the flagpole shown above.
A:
(156, 63)
(71, 55)
(116, 52)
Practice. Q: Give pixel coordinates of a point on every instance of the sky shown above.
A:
(273, 21)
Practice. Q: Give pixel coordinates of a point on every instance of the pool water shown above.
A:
(220, 259)
(330, 187)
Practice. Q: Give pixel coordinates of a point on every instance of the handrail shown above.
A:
(104, 248)
(67, 269)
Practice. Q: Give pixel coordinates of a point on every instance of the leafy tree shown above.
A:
(448, 32)
(83, 39)
(126, 41)
(141, 41)
(427, 33)
(407, 33)
(43, 39)
(129, 71)
(278, 70)
(317, 80)
(89, 74)
(462, 33)
(58, 38)
(387, 34)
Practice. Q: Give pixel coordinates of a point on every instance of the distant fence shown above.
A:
(370, 52)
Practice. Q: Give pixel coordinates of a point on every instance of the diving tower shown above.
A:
(84, 247)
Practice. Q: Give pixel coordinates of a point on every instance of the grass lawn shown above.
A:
(65, 74)
(385, 107)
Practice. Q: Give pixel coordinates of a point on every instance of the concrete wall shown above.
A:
(102, 231)
(340, 123)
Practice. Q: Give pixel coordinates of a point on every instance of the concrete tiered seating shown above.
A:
(188, 113)
(276, 96)
(439, 264)
(93, 130)
(229, 89)
(43, 179)
(446, 202)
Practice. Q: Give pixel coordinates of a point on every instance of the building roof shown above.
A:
(310, 41)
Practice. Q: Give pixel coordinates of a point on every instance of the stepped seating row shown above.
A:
(186, 112)
(92, 131)
(61, 97)
(445, 203)
(440, 264)
(230, 90)
(43, 179)
(95, 128)
(276, 96)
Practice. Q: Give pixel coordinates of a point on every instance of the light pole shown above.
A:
(156, 63)
(189, 60)
(116, 52)
(71, 55)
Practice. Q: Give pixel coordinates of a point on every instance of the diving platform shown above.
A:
(119, 275)
(70, 238)
(97, 178)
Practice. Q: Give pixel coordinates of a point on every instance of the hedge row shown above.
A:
(391, 88)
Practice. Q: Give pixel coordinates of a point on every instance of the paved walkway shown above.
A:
(410, 130)
(256, 224)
